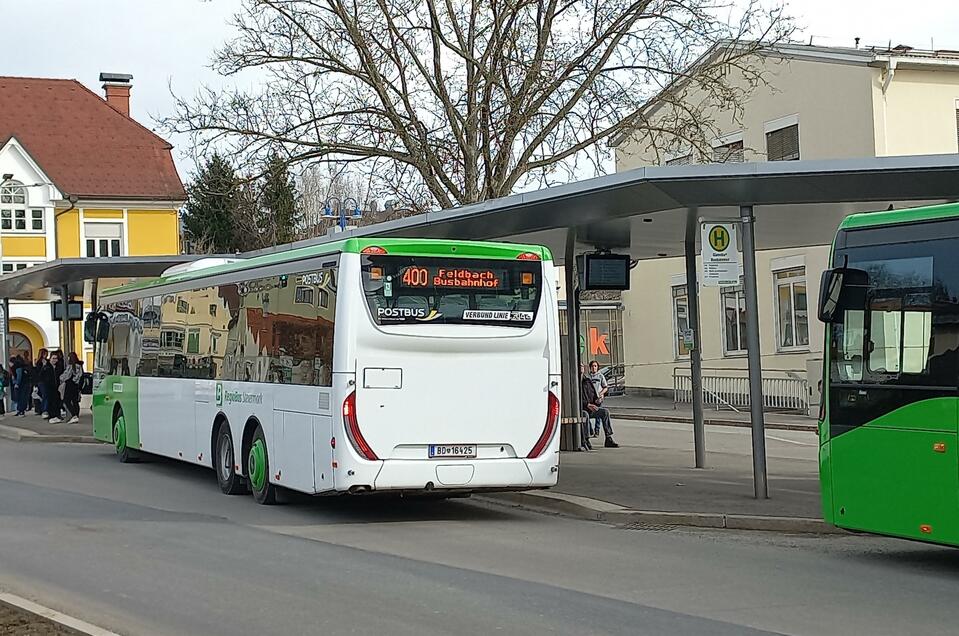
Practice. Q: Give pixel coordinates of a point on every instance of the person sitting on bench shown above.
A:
(591, 404)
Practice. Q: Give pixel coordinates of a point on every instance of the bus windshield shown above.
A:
(404, 290)
(907, 331)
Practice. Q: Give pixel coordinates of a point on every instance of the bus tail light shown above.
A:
(353, 429)
(528, 256)
(373, 250)
(552, 418)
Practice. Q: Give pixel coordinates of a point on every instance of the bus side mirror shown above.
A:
(840, 289)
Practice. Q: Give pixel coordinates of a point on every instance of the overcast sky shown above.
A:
(168, 42)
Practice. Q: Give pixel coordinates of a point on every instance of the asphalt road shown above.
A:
(155, 549)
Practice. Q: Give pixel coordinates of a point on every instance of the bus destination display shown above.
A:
(453, 277)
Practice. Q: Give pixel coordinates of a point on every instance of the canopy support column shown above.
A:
(67, 345)
(571, 407)
(752, 347)
(695, 355)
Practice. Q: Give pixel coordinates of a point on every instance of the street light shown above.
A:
(340, 212)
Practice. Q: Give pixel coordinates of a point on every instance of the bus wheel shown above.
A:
(258, 470)
(230, 482)
(124, 452)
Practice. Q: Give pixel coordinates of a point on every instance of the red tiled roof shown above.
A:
(85, 146)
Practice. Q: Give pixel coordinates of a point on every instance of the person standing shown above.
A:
(51, 383)
(591, 404)
(40, 371)
(602, 388)
(71, 378)
(22, 385)
(4, 387)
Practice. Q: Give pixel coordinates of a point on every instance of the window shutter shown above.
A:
(729, 153)
(783, 144)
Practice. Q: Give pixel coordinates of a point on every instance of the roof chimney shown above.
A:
(116, 90)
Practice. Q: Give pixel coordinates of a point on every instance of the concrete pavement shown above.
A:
(652, 473)
(33, 428)
(154, 548)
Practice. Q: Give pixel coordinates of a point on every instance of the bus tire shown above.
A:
(230, 482)
(258, 469)
(126, 454)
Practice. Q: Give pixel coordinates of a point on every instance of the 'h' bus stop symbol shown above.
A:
(719, 238)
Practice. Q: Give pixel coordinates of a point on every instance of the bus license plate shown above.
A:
(442, 451)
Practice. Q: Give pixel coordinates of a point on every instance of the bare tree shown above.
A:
(449, 102)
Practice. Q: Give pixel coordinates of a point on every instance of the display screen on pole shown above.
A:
(75, 310)
(606, 271)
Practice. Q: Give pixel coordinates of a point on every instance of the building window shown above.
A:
(303, 295)
(734, 320)
(791, 314)
(171, 339)
(15, 216)
(680, 321)
(783, 144)
(193, 341)
(182, 306)
(685, 160)
(729, 153)
(324, 298)
(103, 239)
(13, 193)
(9, 268)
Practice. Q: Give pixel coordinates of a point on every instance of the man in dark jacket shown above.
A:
(591, 404)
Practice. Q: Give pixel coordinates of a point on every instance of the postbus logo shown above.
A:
(719, 238)
(219, 394)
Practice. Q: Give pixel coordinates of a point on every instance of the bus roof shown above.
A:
(905, 215)
(393, 246)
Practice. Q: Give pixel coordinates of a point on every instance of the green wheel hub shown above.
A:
(120, 434)
(257, 464)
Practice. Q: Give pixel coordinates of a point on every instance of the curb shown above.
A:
(596, 510)
(26, 435)
(644, 417)
(75, 624)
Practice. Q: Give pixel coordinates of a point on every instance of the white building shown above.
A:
(820, 103)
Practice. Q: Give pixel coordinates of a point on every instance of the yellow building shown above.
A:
(80, 179)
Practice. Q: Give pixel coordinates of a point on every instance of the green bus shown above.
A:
(890, 408)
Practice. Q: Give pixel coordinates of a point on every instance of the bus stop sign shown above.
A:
(720, 254)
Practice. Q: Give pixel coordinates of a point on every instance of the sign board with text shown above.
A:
(720, 254)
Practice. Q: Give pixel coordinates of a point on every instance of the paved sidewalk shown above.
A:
(650, 479)
(663, 410)
(653, 470)
(33, 428)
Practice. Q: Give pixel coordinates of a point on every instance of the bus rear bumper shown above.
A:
(465, 474)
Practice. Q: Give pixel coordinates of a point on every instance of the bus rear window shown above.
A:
(406, 290)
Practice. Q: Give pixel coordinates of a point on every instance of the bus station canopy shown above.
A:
(77, 276)
(644, 210)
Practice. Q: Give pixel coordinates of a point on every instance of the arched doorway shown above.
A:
(20, 345)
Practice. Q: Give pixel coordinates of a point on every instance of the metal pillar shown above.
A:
(695, 355)
(67, 345)
(752, 348)
(6, 349)
(571, 372)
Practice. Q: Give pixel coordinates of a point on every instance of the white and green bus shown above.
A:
(364, 365)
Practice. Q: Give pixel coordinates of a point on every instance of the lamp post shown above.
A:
(340, 211)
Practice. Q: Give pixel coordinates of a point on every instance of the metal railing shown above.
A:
(783, 390)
